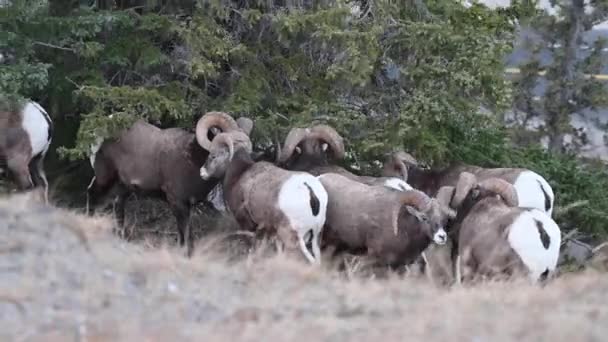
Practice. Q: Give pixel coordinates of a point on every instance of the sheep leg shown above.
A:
(39, 176)
(315, 246)
(119, 210)
(468, 266)
(457, 271)
(181, 211)
(19, 168)
(96, 191)
(292, 241)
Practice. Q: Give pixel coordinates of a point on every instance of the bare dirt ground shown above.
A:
(65, 277)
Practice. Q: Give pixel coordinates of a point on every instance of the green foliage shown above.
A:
(568, 89)
(11, 102)
(426, 76)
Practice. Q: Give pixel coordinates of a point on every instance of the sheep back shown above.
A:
(253, 198)
(483, 238)
(134, 152)
(356, 211)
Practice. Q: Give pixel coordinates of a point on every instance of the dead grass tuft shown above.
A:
(238, 287)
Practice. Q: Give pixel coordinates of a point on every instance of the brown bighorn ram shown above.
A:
(308, 149)
(163, 162)
(263, 196)
(394, 227)
(495, 237)
(532, 189)
(25, 137)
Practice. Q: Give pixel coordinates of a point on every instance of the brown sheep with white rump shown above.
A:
(392, 226)
(531, 188)
(262, 196)
(25, 137)
(495, 237)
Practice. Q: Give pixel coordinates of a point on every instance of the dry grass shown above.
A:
(64, 277)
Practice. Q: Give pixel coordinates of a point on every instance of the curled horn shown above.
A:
(405, 158)
(416, 199)
(399, 162)
(295, 136)
(444, 197)
(245, 124)
(225, 139)
(213, 119)
(445, 194)
(505, 189)
(331, 137)
(466, 181)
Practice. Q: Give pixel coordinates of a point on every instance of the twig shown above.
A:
(563, 210)
(569, 235)
(113, 77)
(598, 247)
(367, 11)
(74, 83)
(13, 300)
(280, 115)
(54, 46)
(242, 233)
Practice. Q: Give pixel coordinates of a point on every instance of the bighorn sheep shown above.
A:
(532, 189)
(392, 226)
(163, 162)
(25, 137)
(263, 196)
(497, 237)
(306, 149)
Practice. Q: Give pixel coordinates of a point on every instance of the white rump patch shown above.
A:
(295, 202)
(397, 184)
(37, 127)
(529, 193)
(94, 149)
(525, 239)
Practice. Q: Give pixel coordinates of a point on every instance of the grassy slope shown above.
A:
(64, 277)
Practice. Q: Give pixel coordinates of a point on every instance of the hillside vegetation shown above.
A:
(424, 76)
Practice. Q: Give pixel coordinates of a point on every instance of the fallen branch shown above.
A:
(54, 46)
(565, 209)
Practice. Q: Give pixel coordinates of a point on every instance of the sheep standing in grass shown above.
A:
(531, 188)
(262, 196)
(160, 162)
(25, 137)
(496, 237)
(392, 226)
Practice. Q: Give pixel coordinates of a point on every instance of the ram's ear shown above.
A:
(421, 217)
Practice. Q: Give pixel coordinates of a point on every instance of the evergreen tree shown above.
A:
(569, 86)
